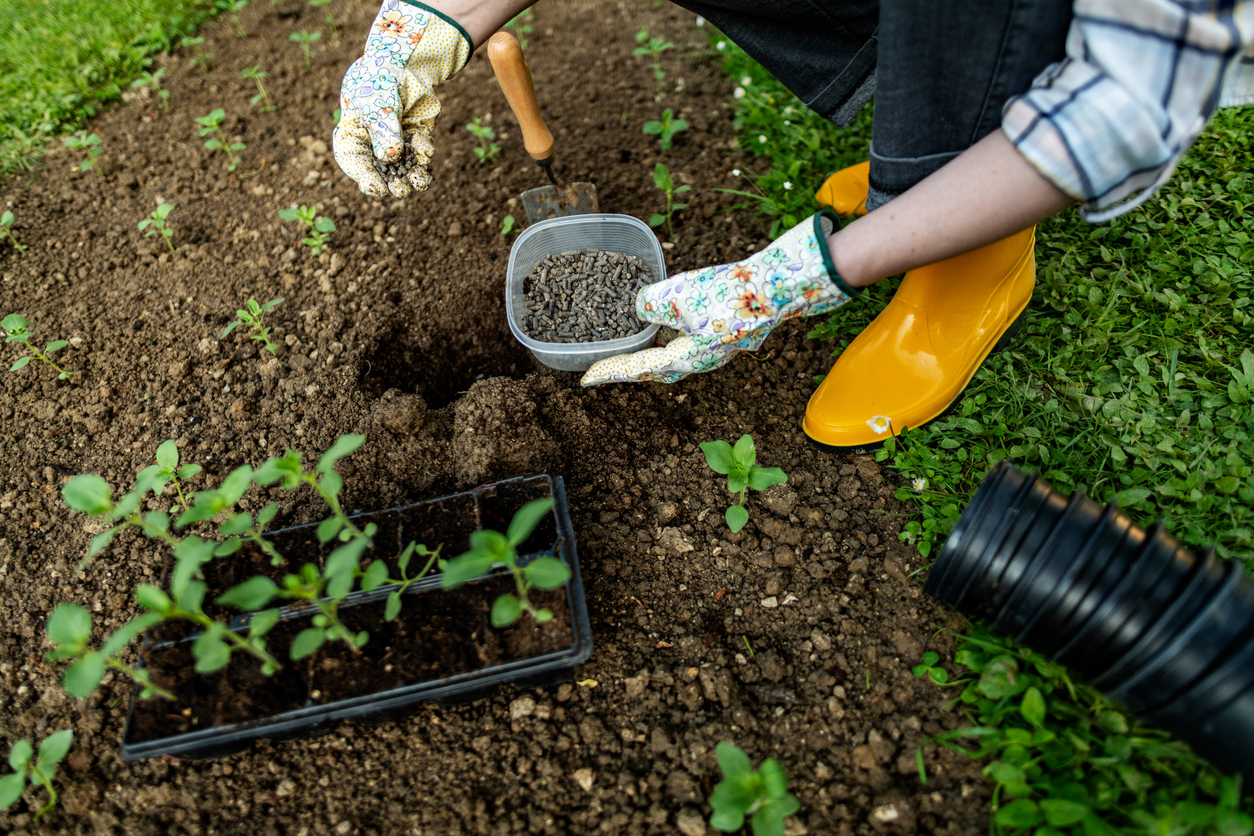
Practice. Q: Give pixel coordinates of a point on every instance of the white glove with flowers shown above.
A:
(733, 307)
(387, 102)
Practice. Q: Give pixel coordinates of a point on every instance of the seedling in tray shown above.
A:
(89, 144)
(762, 794)
(305, 39)
(257, 74)
(6, 230)
(16, 331)
(491, 548)
(213, 124)
(738, 465)
(253, 317)
(320, 228)
(35, 769)
(666, 128)
(154, 224)
(662, 179)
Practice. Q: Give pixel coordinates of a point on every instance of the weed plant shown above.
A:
(252, 315)
(29, 767)
(486, 149)
(6, 231)
(760, 795)
(662, 179)
(17, 330)
(155, 225)
(153, 82)
(653, 47)
(88, 144)
(212, 124)
(201, 58)
(257, 74)
(306, 40)
(233, 8)
(666, 128)
(320, 228)
(739, 465)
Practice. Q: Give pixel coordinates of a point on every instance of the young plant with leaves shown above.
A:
(320, 228)
(155, 224)
(253, 317)
(520, 25)
(393, 606)
(329, 20)
(762, 794)
(89, 144)
(305, 40)
(167, 470)
(491, 548)
(487, 149)
(153, 82)
(662, 179)
(507, 226)
(653, 47)
(17, 330)
(233, 8)
(257, 74)
(35, 769)
(6, 230)
(201, 57)
(738, 464)
(212, 124)
(666, 128)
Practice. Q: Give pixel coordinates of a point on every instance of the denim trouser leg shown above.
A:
(945, 70)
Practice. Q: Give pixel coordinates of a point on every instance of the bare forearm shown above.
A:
(480, 18)
(987, 193)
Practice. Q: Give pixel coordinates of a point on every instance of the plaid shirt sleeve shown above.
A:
(1139, 82)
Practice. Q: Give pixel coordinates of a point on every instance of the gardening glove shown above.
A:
(387, 102)
(733, 307)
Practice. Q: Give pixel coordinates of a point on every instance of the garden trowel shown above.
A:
(553, 201)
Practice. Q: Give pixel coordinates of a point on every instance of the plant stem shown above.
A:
(266, 547)
(142, 678)
(44, 357)
(47, 782)
(240, 644)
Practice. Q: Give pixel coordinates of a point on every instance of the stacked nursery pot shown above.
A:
(1168, 634)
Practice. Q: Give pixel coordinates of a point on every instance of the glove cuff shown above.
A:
(470, 46)
(825, 223)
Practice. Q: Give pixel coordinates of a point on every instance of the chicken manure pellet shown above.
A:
(399, 169)
(584, 296)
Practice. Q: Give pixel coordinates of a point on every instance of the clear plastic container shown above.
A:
(613, 233)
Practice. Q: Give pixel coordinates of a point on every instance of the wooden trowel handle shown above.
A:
(515, 79)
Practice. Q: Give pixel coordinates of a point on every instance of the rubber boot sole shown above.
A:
(1001, 345)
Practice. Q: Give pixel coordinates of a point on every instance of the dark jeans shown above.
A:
(940, 70)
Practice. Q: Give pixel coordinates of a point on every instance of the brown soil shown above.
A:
(792, 638)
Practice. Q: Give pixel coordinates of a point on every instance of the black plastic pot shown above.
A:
(452, 518)
(1129, 611)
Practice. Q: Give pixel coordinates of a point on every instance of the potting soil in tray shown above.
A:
(584, 296)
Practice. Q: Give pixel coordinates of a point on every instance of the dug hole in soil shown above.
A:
(793, 638)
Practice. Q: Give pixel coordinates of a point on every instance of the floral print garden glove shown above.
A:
(733, 307)
(387, 101)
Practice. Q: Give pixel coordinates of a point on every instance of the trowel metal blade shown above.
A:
(558, 202)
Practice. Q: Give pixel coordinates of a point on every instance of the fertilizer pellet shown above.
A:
(583, 296)
(399, 169)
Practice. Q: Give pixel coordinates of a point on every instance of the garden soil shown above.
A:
(794, 638)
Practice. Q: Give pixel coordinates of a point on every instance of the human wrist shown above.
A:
(480, 19)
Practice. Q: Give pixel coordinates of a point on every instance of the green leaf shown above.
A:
(506, 610)
(744, 453)
(767, 821)
(228, 547)
(546, 573)
(331, 483)
(262, 623)
(1019, 814)
(20, 364)
(55, 747)
(237, 524)
(1060, 812)
(344, 445)
(11, 788)
(88, 493)
(252, 594)
(210, 651)
(328, 528)
(20, 754)
(235, 484)
(761, 478)
(267, 514)
(129, 631)
(168, 454)
(732, 760)
(55, 345)
(527, 518)
(774, 778)
(657, 220)
(737, 481)
(494, 542)
(376, 574)
(718, 455)
(1001, 678)
(307, 641)
(726, 820)
(14, 322)
(324, 225)
(187, 471)
(465, 568)
(393, 607)
(1033, 707)
(69, 624)
(152, 598)
(737, 518)
(82, 677)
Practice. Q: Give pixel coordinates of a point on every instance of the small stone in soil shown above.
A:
(584, 296)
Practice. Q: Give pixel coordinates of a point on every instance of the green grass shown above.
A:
(1133, 377)
(59, 60)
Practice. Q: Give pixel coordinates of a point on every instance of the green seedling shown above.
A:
(491, 548)
(155, 224)
(653, 47)
(738, 465)
(153, 81)
(233, 8)
(213, 124)
(27, 767)
(16, 330)
(201, 57)
(930, 668)
(372, 580)
(320, 228)
(257, 74)
(520, 25)
(252, 315)
(487, 149)
(666, 129)
(662, 179)
(6, 230)
(762, 794)
(329, 19)
(167, 470)
(89, 144)
(305, 39)
(507, 225)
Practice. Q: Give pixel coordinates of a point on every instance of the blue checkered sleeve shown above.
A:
(1108, 124)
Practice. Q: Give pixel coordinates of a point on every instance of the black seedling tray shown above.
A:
(492, 508)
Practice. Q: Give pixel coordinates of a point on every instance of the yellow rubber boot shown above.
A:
(845, 191)
(915, 359)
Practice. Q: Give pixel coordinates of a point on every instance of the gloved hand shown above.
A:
(733, 307)
(387, 101)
